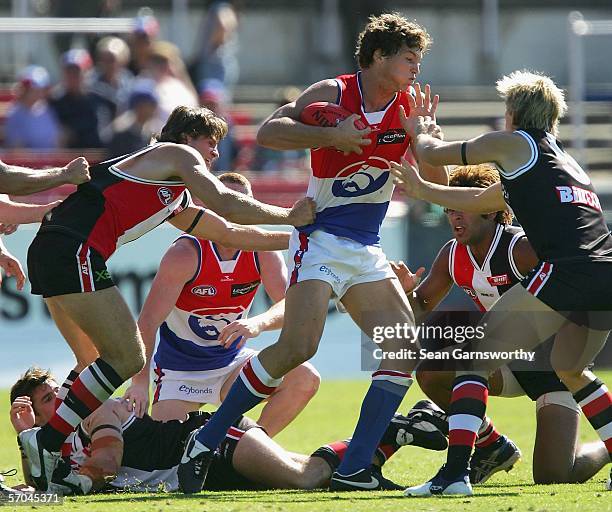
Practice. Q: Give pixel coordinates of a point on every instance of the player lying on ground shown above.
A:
(127, 197)
(338, 255)
(114, 449)
(486, 258)
(199, 301)
(555, 202)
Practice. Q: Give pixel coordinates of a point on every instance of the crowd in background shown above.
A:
(117, 95)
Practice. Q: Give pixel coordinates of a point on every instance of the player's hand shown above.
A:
(407, 177)
(247, 328)
(303, 212)
(8, 229)
(407, 279)
(22, 414)
(421, 118)
(12, 267)
(348, 138)
(137, 397)
(77, 171)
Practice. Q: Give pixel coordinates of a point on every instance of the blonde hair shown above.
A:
(533, 100)
(479, 176)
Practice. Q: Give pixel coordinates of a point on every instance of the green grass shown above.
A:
(332, 415)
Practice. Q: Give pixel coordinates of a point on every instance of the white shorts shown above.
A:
(203, 387)
(339, 261)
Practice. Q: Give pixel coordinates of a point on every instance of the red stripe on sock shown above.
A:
(83, 394)
(494, 436)
(387, 450)
(60, 425)
(254, 381)
(339, 448)
(594, 407)
(235, 432)
(475, 391)
(461, 437)
(608, 443)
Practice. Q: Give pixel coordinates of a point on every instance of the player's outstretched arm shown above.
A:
(178, 266)
(206, 224)
(235, 207)
(283, 130)
(22, 181)
(12, 212)
(466, 199)
(11, 266)
(431, 291)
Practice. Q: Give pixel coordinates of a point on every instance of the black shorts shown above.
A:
(151, 445)
(59, 264)
(579, 291)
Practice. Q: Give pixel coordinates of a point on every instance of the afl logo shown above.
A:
(204, 290)
(165, 195)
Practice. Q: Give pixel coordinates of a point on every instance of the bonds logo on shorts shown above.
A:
(190, 390)
(165, 195)
(244, 288)
(500, 280)
(391, 137)
(204, 290)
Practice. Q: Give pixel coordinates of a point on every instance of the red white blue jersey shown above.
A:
(353, 191)
(486, 283)
(219, 293)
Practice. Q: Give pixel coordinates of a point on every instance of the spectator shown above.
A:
(172, 84)
(272, 160)
(74, 107)
(216, 53)
(144, 33)
(30, 123)
(133, 129)
(213, 96)
(111, 81)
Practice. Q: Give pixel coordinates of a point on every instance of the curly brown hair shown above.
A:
(479, 176)
(29, 381)
(388, 32)
(192, 122)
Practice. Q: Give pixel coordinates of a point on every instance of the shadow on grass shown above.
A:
(284, 496)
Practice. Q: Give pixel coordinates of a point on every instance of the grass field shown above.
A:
(332, 415)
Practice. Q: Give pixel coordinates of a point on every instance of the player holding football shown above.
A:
(339, 254)
(127, 197)
(569, 287)
(486, 258)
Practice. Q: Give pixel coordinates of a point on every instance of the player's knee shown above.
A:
(426, 380)
(309, 380)
(572, 378)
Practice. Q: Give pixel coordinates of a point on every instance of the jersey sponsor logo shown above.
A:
(165, 195)
(244, 288)
(391, 137)
(358, 184)
(577, 195)
(204, 290)
(470, 291)
(189, 390)
(500, 280)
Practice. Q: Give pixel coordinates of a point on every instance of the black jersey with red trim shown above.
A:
(486, 283)
(555, 202)
(114, 207)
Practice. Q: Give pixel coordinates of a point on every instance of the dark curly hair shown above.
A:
(388, 32)
(192, 122)
(29, 381)
(479, 176)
